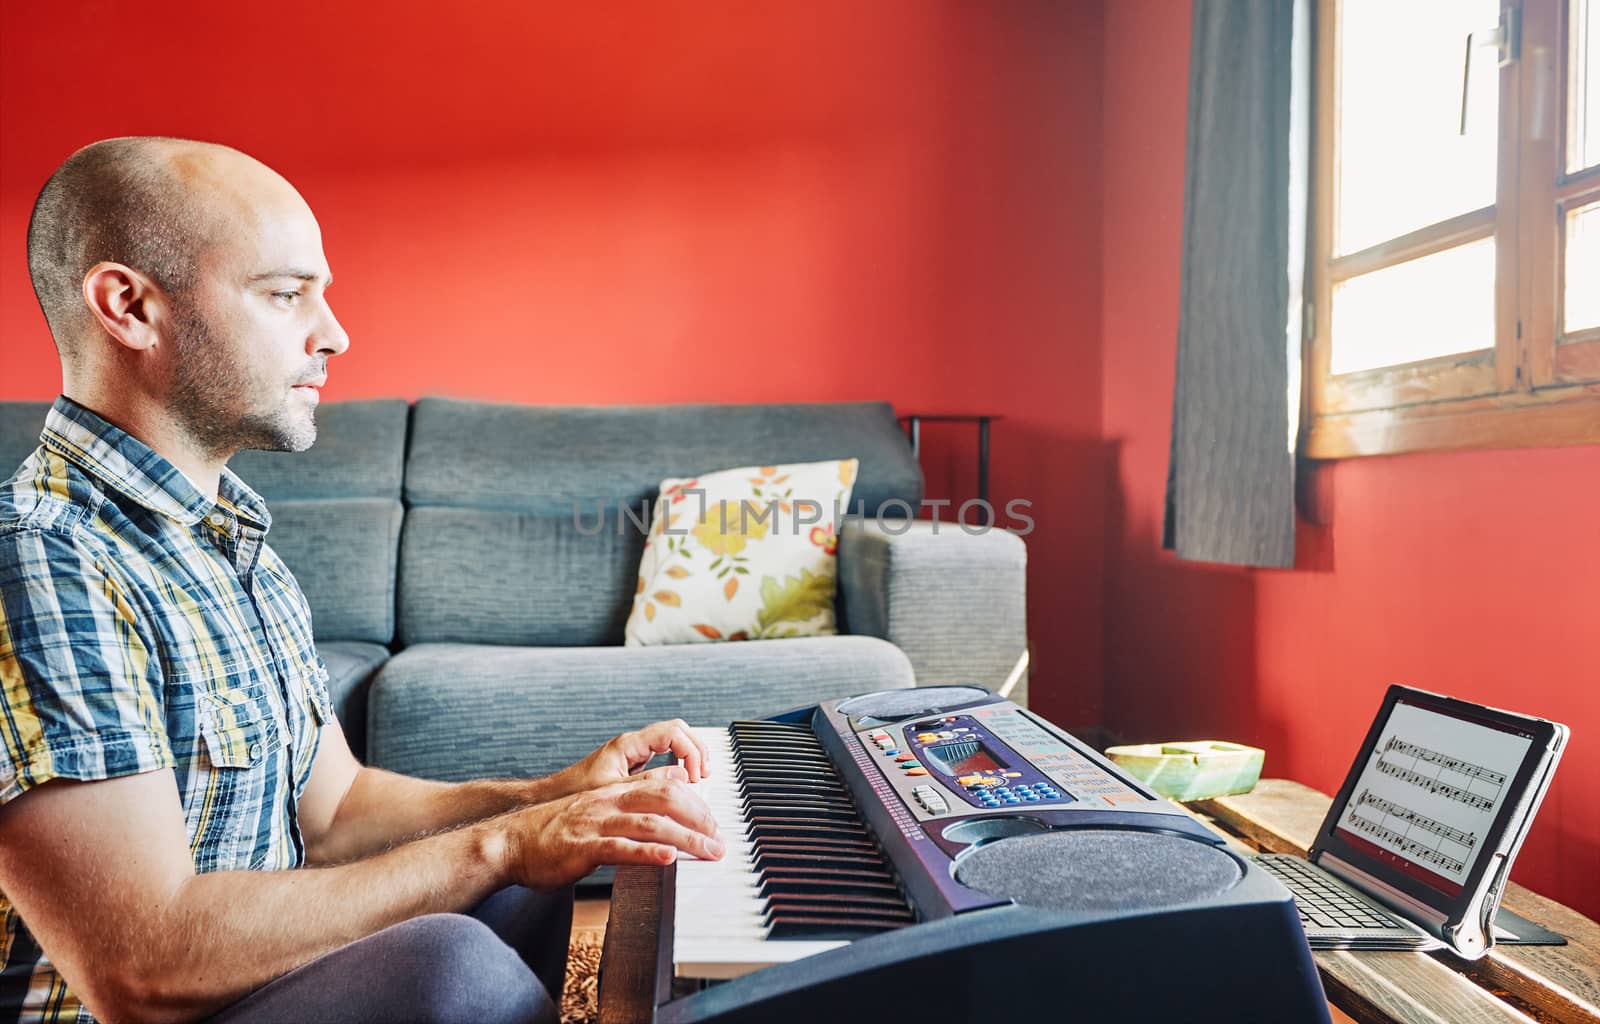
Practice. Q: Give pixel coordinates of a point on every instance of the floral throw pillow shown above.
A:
(742, 554)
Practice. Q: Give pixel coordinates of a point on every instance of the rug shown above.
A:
(580, 998)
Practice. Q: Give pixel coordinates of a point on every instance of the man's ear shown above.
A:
(129, 305)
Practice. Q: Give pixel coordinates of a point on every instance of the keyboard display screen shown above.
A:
(963, 758)
(1428, 796)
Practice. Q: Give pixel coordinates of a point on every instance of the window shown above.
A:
(1455, 267)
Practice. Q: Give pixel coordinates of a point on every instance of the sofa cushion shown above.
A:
(517, 530)
(456, 711)
(336, 515)
(350, 670)
(343, 553)
(475, 576)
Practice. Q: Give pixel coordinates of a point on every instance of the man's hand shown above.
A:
(620, 758)
(642, 822)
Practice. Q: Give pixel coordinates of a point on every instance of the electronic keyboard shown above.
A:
(946, 848)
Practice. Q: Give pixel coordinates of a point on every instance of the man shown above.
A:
(184, 833)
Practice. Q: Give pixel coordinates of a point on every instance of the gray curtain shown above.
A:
(1230, 479)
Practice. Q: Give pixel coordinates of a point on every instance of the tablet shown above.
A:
(1435, 807)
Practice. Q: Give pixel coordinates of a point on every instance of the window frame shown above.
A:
(1534, 387)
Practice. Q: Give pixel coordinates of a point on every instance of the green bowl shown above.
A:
(1193, 769)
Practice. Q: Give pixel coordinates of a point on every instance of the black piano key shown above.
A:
(814, 800)
(782, 844)
(820, 928)
(795, 846)
(759, 776)
(819, 831)
(867, 915)
(824, 873)
(769, 777)
(790, 816)
(842, 903)
(780, 859)
(771, 793)
(774, 886)
(810, 813)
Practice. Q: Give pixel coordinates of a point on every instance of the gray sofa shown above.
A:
(470, 569)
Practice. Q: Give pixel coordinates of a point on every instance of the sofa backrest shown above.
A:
(515, 531)
(336, 509)
(20, 426)
(336, 515)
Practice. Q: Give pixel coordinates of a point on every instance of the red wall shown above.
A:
(571, 203)
(1475, 574)
(928, 203)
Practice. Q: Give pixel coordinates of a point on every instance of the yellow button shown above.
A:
(926, 737)
(1013, 775)
(970, 780)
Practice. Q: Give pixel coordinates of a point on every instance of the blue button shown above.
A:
(891, 753)
(1031, 796)
(1012, 800)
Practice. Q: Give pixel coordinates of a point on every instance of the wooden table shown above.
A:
(1511, 984)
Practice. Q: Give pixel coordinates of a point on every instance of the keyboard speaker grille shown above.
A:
(1094, 869)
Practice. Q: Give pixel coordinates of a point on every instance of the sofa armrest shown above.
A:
(954, 602)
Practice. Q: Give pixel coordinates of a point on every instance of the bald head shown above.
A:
(155, 205)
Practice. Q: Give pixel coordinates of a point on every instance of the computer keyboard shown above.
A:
(1322, 902)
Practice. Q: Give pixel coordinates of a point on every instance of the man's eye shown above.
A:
(287, 298)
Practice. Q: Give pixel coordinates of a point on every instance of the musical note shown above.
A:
(1406, 814)
(1467, 768)
(1412, 847)
(1433, 785)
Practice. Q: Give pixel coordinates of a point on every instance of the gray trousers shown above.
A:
(504, 963)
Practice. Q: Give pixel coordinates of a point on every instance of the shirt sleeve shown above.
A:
(80, 687)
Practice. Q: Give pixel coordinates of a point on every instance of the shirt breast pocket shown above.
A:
(238, 728)
(243, 748)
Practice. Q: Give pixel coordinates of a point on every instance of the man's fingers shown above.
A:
(697, 743)
(674, 737)
(670, 773)
(671, 799)
(655, 828)
(619, 850)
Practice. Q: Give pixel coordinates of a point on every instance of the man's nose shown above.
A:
(329, 337)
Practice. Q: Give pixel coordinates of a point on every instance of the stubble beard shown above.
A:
(208, 388)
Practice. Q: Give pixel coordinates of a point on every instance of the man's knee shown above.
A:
(463, 972)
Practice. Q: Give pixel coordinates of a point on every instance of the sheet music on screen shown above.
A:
(1430, 792)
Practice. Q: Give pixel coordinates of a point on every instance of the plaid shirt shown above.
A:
(145, 627)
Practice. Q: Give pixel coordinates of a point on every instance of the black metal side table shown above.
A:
(914, 423)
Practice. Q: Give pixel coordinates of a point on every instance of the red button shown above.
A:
(906, 757)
